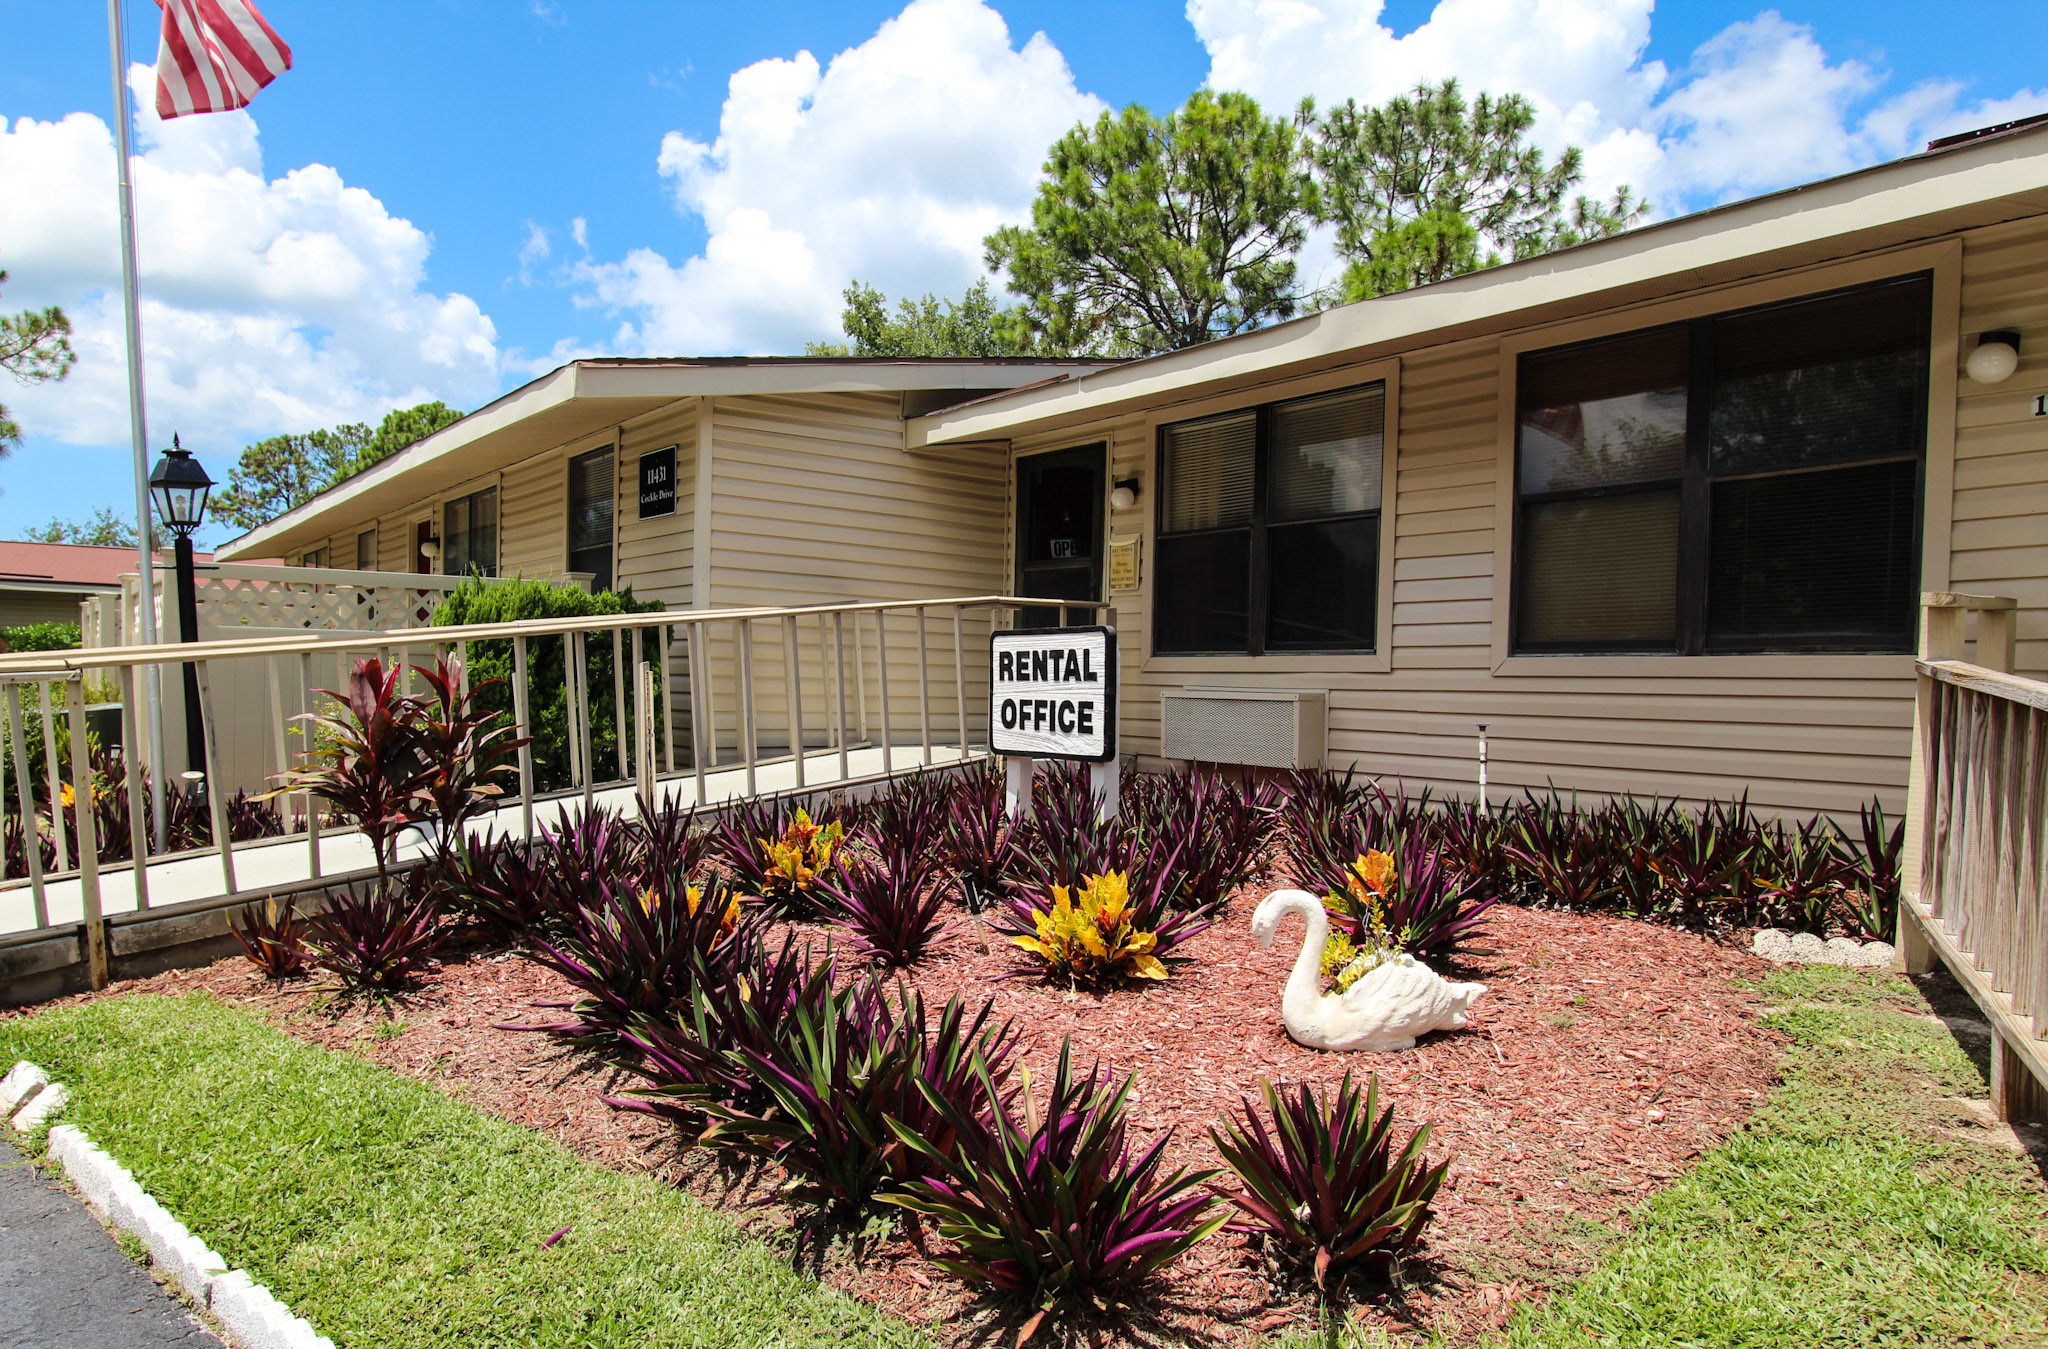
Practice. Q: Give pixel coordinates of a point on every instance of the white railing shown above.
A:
(266, 598)
(725, 702)
(1976, 870)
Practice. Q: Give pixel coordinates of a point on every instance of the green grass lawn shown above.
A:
(1856, 1208)
(1859, 1206)
(390, 1215)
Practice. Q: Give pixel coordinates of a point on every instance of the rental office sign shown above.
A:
(1052, 694)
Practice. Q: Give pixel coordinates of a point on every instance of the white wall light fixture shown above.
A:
(1125, 494)
(1996, 357)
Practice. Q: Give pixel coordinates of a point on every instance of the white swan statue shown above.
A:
(1386, 1009)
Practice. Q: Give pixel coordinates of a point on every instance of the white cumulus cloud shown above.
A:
(890, 163)
(268, 304)
(1758, 106)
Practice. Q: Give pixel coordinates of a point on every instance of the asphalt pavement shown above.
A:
(65, 1284)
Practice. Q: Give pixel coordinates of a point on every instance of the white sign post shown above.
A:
(1052, 695)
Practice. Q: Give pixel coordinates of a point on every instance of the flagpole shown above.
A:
(145, 578)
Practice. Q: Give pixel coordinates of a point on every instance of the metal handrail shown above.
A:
(712, 655)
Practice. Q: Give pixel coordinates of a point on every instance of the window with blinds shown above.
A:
(1269, 528)
(593, 484)
(469, 534)
(1745, 482)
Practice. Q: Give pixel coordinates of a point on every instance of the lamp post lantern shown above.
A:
(177, 488)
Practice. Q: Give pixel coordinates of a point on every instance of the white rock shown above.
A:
(1808, 948)
(1385, 1010)
(1786, 948)
(41, 1106)
(1774, 944)
(22, 1079)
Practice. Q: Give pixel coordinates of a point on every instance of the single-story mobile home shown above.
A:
(1657, 511)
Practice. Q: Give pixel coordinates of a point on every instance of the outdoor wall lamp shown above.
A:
(430, 549)
(1996, 357)
(1125, 494)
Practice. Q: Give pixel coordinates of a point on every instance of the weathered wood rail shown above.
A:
(1976, 877)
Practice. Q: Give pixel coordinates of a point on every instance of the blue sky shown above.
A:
(446, 197)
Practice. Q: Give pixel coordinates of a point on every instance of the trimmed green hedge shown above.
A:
(41, 637)
(480, 601)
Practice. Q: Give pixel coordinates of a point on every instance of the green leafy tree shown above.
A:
(1152, 233)
(1429, 187)
(276, 474)
(973, 325)
(35, 347)
(102, 529)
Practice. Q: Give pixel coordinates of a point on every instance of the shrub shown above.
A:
(1872, 875)
(1423, 905)
(478, 600)
(1322, 1177)
(1326, 819)
(737, 1006)
(1094, 936)
(976, 839)
(1703, 864)
(378, 942)
(1563, 862)
(1800, 875)
(637, 953)
(269, 934)
(839, 1066)
(892, 906)
(41, 637)
(777, 850)
(375, 772)
(1216, 829)
(905, 823)
(1053, 1205)
(496, 883)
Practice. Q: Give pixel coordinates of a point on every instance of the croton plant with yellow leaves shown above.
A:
(1098, 933)
(797, 860)
(1404, 898)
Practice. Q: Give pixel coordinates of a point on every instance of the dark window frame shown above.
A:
(570, 552)
(1258, 590)
(1696, 486)
(448, 536)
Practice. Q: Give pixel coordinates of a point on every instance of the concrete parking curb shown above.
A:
(252, 1316)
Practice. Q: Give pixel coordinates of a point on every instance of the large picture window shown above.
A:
(1269, 528)
(1741, 483)
(469, 534)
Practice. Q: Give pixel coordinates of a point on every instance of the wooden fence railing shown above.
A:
(1980, 831)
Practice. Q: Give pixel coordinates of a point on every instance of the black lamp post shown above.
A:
(178, 486)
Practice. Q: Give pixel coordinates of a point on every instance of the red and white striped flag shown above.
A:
(214, 56)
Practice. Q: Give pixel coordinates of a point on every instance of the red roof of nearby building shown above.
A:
(69, 563)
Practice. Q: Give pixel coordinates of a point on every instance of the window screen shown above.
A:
(1747, 482)
(1269, 528)
(366, 550)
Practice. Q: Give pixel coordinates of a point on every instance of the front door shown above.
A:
(1059, 530)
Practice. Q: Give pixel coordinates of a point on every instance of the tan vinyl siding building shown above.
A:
(1797, 731)
(816, 481)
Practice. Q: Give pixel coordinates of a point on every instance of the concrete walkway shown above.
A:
(286, 863)
(65, 1284)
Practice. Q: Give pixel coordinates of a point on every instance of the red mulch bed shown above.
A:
(1606, 1055)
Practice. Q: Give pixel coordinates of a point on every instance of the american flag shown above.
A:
(214, 56)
